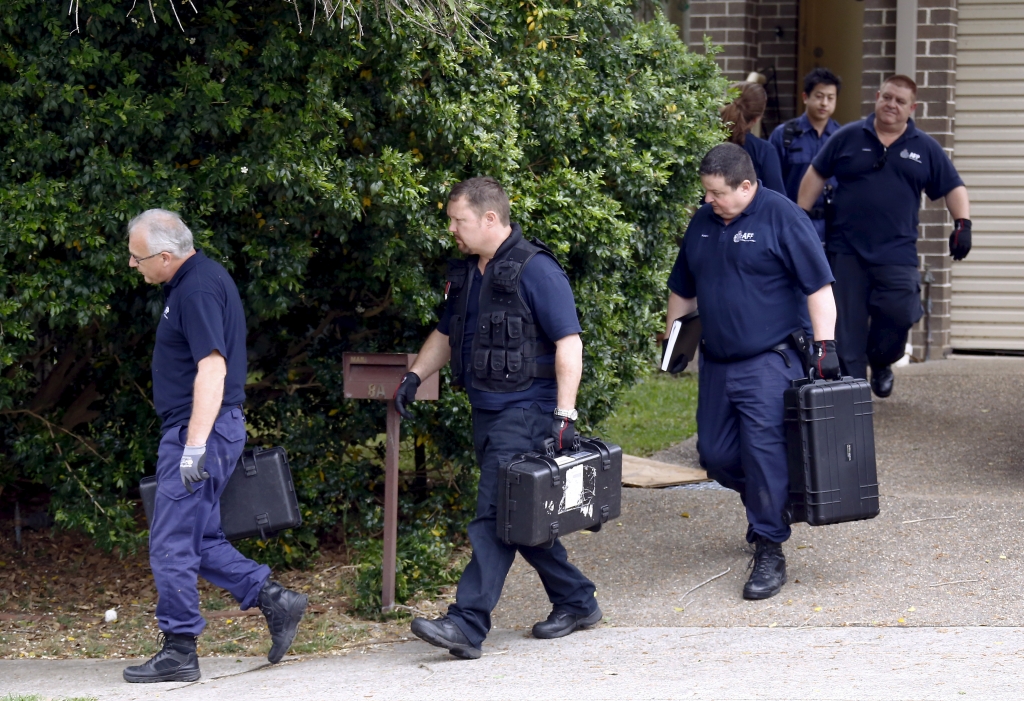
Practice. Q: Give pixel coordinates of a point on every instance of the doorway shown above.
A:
(832, 36)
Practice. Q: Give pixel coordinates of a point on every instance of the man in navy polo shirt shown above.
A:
(882, 163)
(511, 333)
(199, 369)
(755, 264)
(798, 141)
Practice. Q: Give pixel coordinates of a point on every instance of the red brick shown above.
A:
(931, 31)
(872, 48)
(879, 32)
(730, 22)
(936, 63)
(882, 64)
(941, 48)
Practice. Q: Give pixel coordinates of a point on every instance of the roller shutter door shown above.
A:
(988, 288)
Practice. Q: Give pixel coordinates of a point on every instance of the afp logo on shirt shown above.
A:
(743, 237)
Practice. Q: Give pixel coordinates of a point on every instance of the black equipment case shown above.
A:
(831, 445)
(259, 499)
(544, 496)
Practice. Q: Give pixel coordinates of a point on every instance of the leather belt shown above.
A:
(779, 348)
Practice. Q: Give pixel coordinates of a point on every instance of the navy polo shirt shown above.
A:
(797, 158)
(751, 277)
(545, 288)
(202, 313)
(766, 163)
(876, 209)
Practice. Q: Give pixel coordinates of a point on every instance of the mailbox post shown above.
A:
(377, 376)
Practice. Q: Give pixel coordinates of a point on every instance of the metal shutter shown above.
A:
(988, 288)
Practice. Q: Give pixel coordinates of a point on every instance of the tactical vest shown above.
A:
(506, 341)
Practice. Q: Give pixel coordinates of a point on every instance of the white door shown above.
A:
(988, 288)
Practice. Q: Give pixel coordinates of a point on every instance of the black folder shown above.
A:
(683, 339)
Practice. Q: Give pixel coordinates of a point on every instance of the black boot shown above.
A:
(283, 609)
(882, 380)
(443, 632)
(561, 623)
(769, 570)
(177, 661)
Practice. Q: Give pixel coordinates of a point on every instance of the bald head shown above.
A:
(163, 231)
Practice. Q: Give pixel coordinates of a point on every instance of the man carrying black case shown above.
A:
(755, 262)
(199, 368)
(511, 333)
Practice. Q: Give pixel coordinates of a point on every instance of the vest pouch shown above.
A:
(514, 361)
(506, 276)
(498, 329)
(498, 364)
(484, 330)
(480, 359)
(456, 276)
(515, 327)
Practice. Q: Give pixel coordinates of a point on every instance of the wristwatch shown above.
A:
(570, 414)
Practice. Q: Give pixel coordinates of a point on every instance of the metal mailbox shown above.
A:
(377, 376)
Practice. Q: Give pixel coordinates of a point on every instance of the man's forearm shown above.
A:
(207, 395)
(821, 306)
(958, 203)
(677, 307)
(811, 188)
(568, 369)
(433, 356)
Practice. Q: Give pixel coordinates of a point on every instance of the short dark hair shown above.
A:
(821, 76)
(731, 162)
(483, 194)
(901, 80)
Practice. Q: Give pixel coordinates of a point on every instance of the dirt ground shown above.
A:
(55, 591)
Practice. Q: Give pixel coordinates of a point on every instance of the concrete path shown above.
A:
(924, 602)
(609, 663)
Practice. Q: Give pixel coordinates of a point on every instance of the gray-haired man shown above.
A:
(199, 368)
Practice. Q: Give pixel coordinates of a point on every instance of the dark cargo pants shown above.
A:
(185, 538)
(497, 436)
(741, 435)
(876, 307)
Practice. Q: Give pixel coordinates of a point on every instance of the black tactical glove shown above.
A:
(960, 239)
(191, 466)
(406, 393)
(679, 365)
(825, 361)
(563, 431)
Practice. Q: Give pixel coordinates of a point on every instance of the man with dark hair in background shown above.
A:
(753, 261)
(511, 334)
(882, 164)
(798, 141)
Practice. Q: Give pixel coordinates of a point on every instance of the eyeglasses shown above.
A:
(880, 163)
(132, 256)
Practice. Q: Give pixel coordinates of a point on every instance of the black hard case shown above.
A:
(543, 496)
(831, 444)
(259, 499)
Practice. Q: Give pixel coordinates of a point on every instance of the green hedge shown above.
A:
(316, 167)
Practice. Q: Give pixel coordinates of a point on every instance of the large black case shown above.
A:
(544, 496)
(831, 444)
(259, 499)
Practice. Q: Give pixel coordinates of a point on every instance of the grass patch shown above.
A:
(658, 412)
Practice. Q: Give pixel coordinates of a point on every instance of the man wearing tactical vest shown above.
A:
(798, 141)
(512, 336)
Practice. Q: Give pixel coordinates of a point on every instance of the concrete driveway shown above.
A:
(924, 602)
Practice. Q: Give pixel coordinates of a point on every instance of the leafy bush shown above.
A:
(423, 564)
(315, 166)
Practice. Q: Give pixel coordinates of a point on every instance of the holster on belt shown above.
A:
(802, 345)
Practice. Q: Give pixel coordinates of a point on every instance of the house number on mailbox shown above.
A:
(376, 392)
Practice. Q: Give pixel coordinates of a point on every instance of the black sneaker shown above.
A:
(443, 632)
(177, 661)
(769, 570)
(283, 609)
(561, 623)
(882, 380)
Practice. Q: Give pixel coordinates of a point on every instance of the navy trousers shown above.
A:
(497, 436)
(876, 305)
(185, 538)
(741, 435)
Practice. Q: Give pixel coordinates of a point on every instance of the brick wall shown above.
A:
(753, 35)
